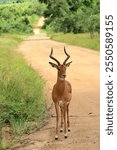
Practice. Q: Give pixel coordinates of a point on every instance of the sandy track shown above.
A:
(84, 108)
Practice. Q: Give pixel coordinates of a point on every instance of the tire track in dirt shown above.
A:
(84, 108)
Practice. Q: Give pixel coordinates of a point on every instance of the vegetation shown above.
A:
(76, 16)
(16, 1)
(22, 104)
(81, 39)
(21, 90)
(71, 21)
(19, 17)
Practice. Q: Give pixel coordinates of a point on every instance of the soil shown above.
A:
(83, 74)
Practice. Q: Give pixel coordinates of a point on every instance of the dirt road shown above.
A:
(84, 108)
(40, 23)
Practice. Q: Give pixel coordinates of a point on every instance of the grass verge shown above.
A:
(81, 39)
(22, 104)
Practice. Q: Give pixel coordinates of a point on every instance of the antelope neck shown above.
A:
(61, 78)
(60, 85)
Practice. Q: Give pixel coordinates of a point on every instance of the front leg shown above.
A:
(65, 127)
(57, 120)
(61, 129)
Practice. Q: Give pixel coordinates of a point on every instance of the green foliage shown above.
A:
(43, 1)
(75, 16)
(16, 17)
(21, 90)
(78, 39)
(16, 1)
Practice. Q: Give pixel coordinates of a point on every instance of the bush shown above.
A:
(15, 17)
(72, 16)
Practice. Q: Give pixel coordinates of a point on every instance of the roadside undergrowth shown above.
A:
(85, 40)
(22, 101)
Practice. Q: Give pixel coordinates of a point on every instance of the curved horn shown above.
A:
(68, 56)
(53, 57)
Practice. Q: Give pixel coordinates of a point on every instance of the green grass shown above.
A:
(81, 39)
(22, 101)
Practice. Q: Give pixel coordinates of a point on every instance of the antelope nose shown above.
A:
(64, 75)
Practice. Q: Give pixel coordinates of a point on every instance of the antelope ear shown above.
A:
(68, 64)
(53, 65)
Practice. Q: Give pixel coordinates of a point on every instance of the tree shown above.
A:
(72, 15)
(56, 9)
(43, 1)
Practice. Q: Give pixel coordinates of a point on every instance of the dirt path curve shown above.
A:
(84, 108)
(37, 27)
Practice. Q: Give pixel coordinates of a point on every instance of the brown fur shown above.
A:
(62, 94)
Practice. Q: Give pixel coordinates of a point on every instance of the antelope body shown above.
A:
(61, 94)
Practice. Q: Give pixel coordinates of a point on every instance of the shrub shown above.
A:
(72, 16)
(15, 17)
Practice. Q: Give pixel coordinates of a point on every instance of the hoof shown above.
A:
(69, 130)
(56, 137)
(65, 136)
(61, 129)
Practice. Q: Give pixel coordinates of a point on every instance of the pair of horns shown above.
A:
(68, 56)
